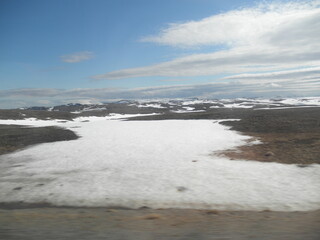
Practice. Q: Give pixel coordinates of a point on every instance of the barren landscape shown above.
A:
(288, 136)
(171, 119)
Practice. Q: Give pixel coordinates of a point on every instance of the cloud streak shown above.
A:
(293, 75)
(303, 82)
(268, 37)
(77, 57)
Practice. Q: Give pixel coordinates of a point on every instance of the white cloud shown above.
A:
(274, 85)
(232, 61)
(269, 37)
(77, 57)
(304, 74)
(271, 49)
(242, 27)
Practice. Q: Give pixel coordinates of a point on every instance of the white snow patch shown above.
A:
(61, 122)
(145, 163)
(196, 101)
(302, 101)
(236, 105)
(249, 103)
(188, 108)
(187, 111)
(275, 108)
(150, 106)
(113, 116)
(33, 122)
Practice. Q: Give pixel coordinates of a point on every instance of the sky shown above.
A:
(68, 51)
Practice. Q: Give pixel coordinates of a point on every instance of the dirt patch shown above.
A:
(297, 148)
(287, 136)
(14, 137)
(39, 114)
(152, 216)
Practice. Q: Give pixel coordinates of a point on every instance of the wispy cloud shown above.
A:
(30, 92)
(77, 57)
(268, 37)
(304, 74)
(303, 82)
(175, 80)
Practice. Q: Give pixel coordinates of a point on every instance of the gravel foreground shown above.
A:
(146, 224)
(289, 136)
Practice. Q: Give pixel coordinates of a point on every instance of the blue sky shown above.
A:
(142, 49)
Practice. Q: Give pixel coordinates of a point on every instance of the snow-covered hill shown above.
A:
(184, 105)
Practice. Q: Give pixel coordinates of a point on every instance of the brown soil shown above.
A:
(289, 136)
(15, 137)
(290, 148)
(44, 115)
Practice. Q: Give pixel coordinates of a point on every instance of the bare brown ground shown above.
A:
(289, 148)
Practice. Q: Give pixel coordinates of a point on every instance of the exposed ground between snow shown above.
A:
(157, 164)
(293, 127)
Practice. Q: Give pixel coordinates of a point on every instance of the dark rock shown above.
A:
(269, 154)
(181, 189)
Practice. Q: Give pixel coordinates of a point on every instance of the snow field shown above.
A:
(159, 164)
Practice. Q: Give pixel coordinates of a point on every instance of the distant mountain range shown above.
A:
(180, 106)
